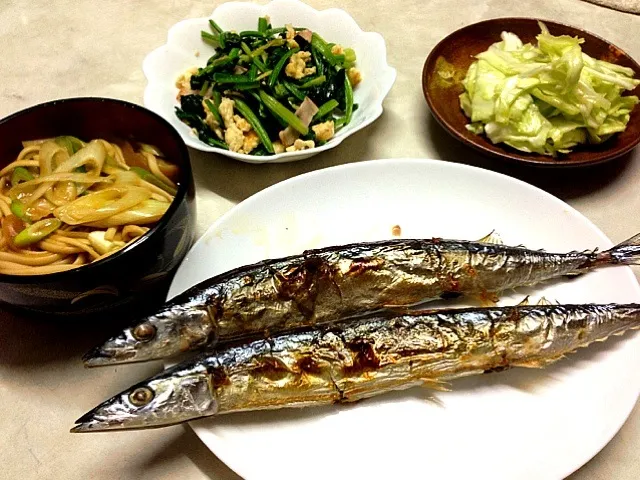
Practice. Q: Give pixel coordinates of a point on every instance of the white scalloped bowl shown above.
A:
(163, 66)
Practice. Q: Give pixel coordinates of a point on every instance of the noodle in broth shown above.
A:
(65, 203)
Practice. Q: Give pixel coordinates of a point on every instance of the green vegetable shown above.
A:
(295, 91)
(314, 82)
(546, 98)
(326, 109)
(348, 100)
(19, 175)
(248, 67)
(153, 180)
(251, 33)
(19, 209)
(278, 68)
(213, 40)
(283, 112)
(215, 28)
(36, 232)
(231, 78)
(263, 25)
(246, 112)
(72, 144)
(214, 111)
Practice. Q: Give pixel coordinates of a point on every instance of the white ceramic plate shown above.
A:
(525, 424)
(163, 66)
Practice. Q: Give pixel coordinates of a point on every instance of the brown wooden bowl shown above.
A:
(459, 50)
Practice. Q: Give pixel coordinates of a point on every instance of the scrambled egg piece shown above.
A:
(299, 145)
(355, 77)
(291, 33)
(297, 66)
(278, 147)
(238, 133)
(324, 131)
(183, 82)
(251, 141)
(337, 49)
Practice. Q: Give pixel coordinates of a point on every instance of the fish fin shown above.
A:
(492, 237)
(538, 362)
(545, 301)
(438, 385)
(626, 253)
(525, 301)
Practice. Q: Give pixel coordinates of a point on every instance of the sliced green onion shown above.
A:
(147, 176)
(19, 175)
(250, 117)
(319, 80)
(36, 232)
(278, 68)
(214, 111)
(145, 147)
(19, 209)
(283, 112)
(348, 99)
(326, 108)
(72, 144)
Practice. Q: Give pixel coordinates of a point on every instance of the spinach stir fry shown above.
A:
(269, 90)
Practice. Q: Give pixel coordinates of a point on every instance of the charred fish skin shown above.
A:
(321, 286)
(359, 358)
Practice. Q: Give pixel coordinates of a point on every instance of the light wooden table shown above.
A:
(62, 48)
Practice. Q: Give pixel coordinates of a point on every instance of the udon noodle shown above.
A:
(65, 203)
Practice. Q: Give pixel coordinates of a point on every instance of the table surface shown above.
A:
(62, 48)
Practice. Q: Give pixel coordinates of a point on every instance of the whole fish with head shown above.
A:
(359, 358)
(325, 285)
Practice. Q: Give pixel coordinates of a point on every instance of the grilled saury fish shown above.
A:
(359, 358)
(322, 286)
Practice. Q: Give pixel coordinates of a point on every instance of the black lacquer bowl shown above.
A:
(132, 275)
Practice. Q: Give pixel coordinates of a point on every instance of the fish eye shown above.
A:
(141, 396)
(144, 332)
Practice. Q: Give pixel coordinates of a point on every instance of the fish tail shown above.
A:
(625, 253)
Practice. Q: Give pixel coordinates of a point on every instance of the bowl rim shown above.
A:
(183, 187)
(387, 80)
(519, 158)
